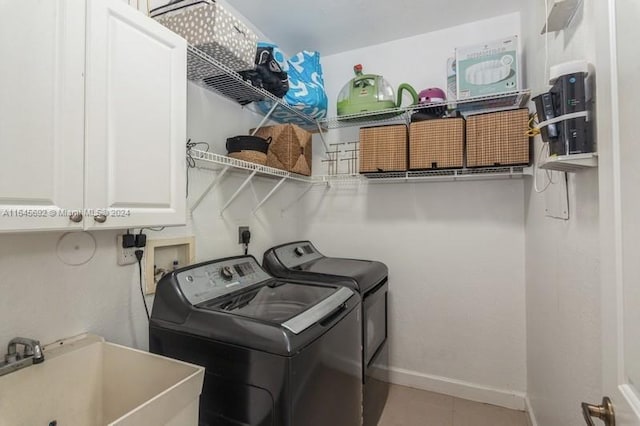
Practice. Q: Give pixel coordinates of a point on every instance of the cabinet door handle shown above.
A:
(75, 217)
(100, 218)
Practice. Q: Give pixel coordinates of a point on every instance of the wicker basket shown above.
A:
(250, 156)
(248, 148)
(383, 149)
(436, 144)
(498, 138)
(290, 148)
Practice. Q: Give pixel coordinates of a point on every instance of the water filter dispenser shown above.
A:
(564, 112)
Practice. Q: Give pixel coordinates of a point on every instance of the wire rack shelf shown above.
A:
(215, 76)
(475, 105)
(217, 161)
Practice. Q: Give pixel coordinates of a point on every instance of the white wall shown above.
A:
(43, 298)
(455, 250)
(563, 263)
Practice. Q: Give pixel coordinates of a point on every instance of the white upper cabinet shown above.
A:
(92, 117)
(135, 118)
(41, 113)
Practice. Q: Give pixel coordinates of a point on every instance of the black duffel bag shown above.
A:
(268, 74)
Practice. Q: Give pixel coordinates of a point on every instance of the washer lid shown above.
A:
(293, 306)
(366, 272)
(301, 260)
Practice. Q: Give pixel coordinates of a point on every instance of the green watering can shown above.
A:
(370, 92)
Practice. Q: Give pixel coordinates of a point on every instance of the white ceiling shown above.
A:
(333, 26)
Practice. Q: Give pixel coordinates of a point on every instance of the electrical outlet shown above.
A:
(241, 229)
(126, 256)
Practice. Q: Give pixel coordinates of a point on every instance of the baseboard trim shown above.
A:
(529, 410)
(461, 389)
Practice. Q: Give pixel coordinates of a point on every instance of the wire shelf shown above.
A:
(388, 116)
(205, 158)
(475, 105)
(213, 75)
(450, 174)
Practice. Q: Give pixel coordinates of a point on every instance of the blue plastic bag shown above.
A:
(306, 84)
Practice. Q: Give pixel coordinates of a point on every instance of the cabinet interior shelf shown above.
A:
(571, 163)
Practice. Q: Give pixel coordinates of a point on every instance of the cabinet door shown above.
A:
(136, 119)
(41, 113)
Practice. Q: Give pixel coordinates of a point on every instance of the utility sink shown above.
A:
(86, 381)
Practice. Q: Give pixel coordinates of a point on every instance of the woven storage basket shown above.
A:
(248, 148)
(383, 149)
(290, 148)
(498, 138)
(436, 144)
(250, 156)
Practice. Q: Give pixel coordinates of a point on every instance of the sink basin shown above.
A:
(86, 381)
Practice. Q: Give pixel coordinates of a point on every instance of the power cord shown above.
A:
(191, 162)
(533, 129)
(246, 238)
(139, 253)
(536, 166)
(141, 243)
(532, 132)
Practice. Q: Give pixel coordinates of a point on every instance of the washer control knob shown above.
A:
(226, 272)
(299, 251)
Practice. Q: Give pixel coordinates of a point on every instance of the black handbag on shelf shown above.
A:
(248, 143)
(249, 148)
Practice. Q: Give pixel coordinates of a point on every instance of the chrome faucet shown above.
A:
(13, 360)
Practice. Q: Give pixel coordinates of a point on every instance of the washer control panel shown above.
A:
(296, 254)
(208, 281)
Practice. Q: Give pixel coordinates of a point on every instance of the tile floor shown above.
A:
(413, 407)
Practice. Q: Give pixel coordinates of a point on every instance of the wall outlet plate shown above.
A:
(126, 256)
(241, 229)
(160, 254)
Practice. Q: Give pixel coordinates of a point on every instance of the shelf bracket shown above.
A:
(209, 188)
(264, 200)
(264, 119)
(407, 117)
(238, 191)
(324, 142)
